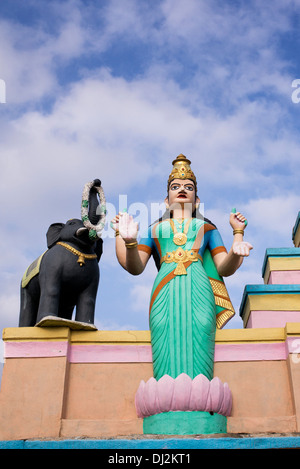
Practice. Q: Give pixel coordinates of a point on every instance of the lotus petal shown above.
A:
(165, 389)
(208, 405)
(150, 396)
(182, 392)
(216, 394)
(226, 406)
(199, 393)
(140, 405)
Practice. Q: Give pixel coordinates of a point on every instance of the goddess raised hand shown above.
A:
(238, 222)
(126, 244)
(228, 263)
(125, 226)
(128, 228)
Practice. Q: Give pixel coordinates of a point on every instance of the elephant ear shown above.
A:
(53, 234)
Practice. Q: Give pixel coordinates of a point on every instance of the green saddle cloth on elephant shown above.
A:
(32, 270)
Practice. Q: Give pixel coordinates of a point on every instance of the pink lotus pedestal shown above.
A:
(183, 405)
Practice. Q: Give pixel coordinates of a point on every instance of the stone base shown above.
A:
(54, 321)
(185, 423)
(63, 383)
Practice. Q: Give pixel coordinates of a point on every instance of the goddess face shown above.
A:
(182, 191)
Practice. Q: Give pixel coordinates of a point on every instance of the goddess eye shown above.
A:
(189, 188)
(175, 187)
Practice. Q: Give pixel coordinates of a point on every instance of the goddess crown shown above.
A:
(182, 170)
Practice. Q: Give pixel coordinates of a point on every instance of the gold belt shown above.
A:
(180, 256)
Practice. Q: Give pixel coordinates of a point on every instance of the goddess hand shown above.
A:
(237, 220)
(242, 248)
(128, 228)
(115, 223)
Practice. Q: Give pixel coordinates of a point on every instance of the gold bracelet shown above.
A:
(117, 233)
(131, 245)
(238, 232)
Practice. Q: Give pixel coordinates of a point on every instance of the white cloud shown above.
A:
(10, 306)
(274, 217)
(140, 295)
(20, 67)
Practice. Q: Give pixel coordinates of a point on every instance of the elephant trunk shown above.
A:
(94, 203)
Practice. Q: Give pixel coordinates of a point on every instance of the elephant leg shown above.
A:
(28, 308)
(85, 308)
(86, 302)
(50, 286)
(65, 310)
(49, 302)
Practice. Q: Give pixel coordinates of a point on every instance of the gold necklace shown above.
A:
(180, 238)
(81, 255)
(180, 222)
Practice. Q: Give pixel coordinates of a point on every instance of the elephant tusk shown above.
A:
(81, 231)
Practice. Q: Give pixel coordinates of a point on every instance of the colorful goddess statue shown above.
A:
(189, 299)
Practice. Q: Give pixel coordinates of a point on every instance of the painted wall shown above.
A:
(59, 383)
(70, 384)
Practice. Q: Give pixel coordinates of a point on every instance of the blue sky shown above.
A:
(116, 89)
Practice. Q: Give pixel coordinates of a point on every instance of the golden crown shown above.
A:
(182, 170)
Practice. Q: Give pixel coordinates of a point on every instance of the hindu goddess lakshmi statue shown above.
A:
(189, 298)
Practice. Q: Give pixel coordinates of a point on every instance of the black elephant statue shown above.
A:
(65, 276)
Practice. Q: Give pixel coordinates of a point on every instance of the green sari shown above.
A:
(186, 308)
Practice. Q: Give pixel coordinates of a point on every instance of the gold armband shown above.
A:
(238, 232)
